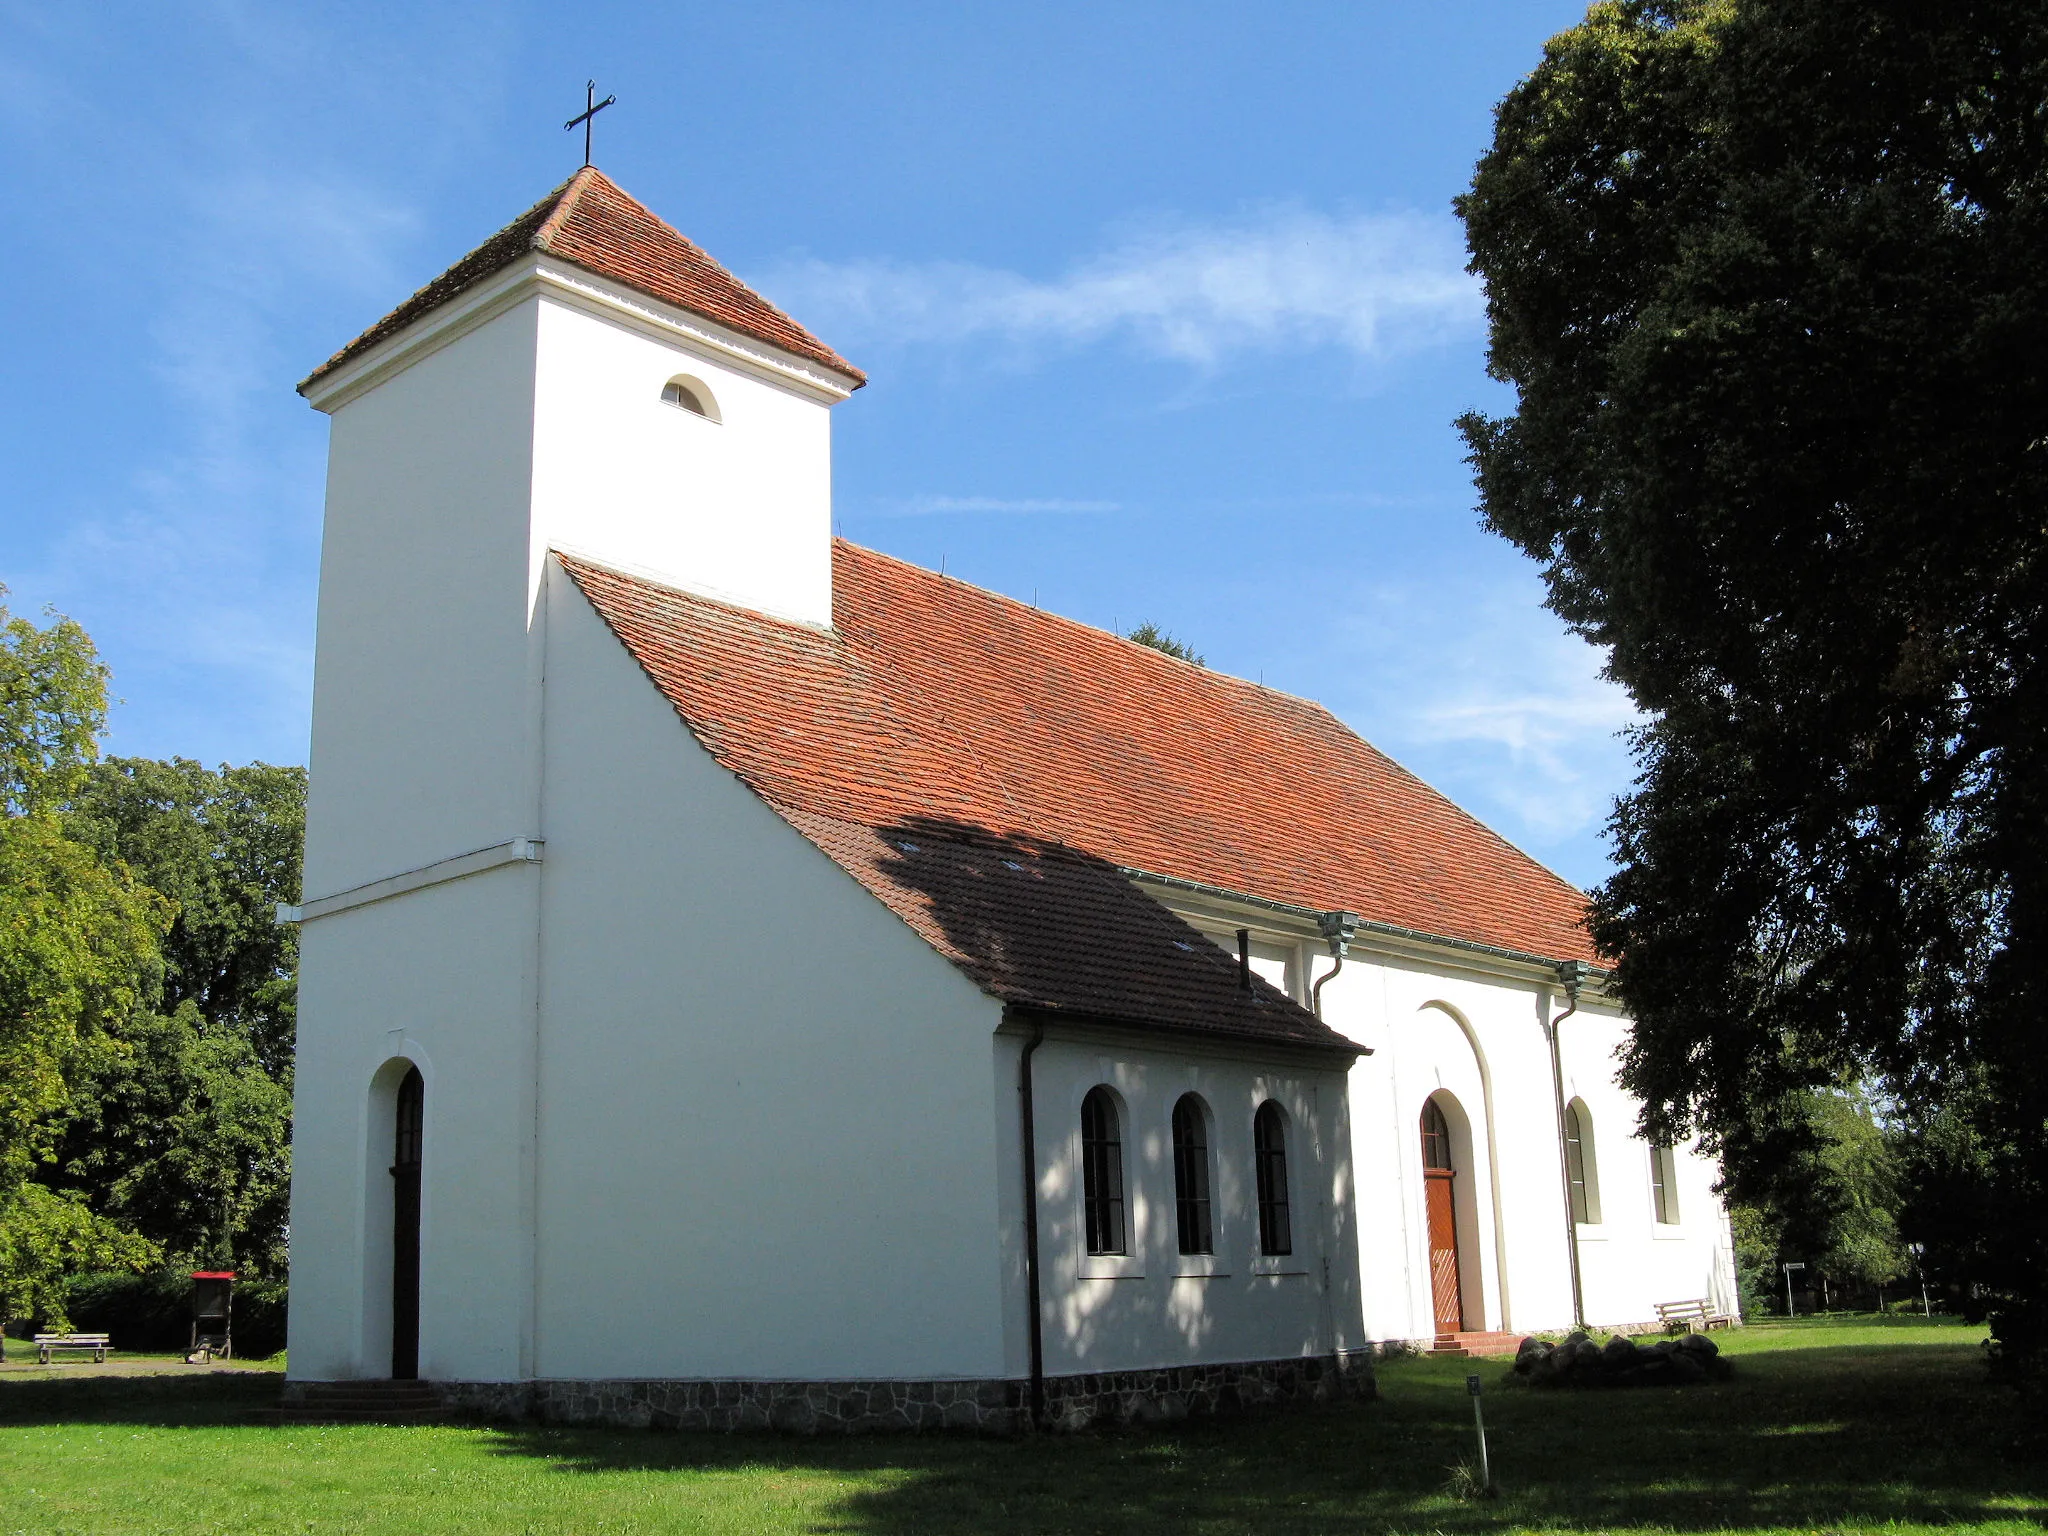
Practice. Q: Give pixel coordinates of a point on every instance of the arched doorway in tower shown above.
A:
(405, 1227)
(1439, 1172)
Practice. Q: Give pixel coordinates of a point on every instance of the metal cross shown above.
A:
(591, 107)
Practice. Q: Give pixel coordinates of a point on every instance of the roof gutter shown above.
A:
(1361, 925)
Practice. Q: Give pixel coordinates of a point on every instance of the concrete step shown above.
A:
(358, 1402)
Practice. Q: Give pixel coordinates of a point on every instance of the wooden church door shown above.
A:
(405, 1228)
(1445, 1285)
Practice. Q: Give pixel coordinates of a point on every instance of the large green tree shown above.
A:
(78, 954)
(1832, 1203)
(224, 845)
(1770, 280)
(181, 1127)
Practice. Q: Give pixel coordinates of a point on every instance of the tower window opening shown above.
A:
(690, 395)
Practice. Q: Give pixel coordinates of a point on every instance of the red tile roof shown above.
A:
(942, 730)
(590, 222)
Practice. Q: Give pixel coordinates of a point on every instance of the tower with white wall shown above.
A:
(587, 381)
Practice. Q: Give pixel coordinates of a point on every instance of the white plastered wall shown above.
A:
(765, 1142)
(739, 508)
(1482, 1039)
(425, 745)
(425, 676)
(1155, 1306)
(1629, 1261)
(440, 978)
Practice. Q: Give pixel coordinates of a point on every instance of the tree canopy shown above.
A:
(146, 990)
(78, 952)
(182, 1126)
(1770, 280)
(224, 846)
(1151, 634)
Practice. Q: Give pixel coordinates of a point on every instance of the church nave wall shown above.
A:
(765, 1141)
(1480, 1041)
(1152, 1305)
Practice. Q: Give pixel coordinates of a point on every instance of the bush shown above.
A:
(153, 1312)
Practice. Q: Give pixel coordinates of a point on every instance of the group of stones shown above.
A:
(1620, 1362)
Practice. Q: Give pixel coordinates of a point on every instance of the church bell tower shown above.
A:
(587, 380)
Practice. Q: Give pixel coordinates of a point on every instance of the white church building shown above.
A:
(747, 979)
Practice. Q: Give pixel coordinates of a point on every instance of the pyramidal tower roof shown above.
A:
(589, 221)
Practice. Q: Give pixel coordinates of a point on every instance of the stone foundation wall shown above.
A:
(994, 1406)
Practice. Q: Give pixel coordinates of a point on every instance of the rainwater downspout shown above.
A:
(1571, 975)
(1030, 1139)
(1338, 927)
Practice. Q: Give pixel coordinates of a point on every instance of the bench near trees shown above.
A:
(48, 1343)
(1691, 1315)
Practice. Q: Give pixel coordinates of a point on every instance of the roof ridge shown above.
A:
(567, 196)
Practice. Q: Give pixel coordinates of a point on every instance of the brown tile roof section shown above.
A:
(1035, 924)
(590, 222)
(937, 705)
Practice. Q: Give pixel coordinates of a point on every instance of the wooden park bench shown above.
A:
(98, 1343)
(1692, 1315)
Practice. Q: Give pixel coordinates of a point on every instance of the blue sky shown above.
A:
(1163, 308)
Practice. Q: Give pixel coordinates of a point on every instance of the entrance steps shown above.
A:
(359, 1402)
(1475, 1344)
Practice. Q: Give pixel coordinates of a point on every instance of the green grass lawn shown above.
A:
(1826, 1426)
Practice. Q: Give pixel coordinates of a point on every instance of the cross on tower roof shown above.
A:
(591, 107)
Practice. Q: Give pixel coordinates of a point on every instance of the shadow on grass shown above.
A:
(184, 1401)
(1806, 1437)
(1860, 1435)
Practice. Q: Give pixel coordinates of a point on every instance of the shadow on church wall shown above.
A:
(1060, 934)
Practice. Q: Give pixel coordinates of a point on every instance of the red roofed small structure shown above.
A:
(748, 980)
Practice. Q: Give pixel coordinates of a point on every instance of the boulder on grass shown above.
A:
(1686, 1368)
(1619, 1354)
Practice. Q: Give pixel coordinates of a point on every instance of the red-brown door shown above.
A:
(1443, 1253)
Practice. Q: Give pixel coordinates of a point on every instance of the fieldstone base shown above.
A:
(1200, 1391)
(990, 1407)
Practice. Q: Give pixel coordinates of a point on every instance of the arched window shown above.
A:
(1269, 1152)
(1581, 1167)
(1102, 1172)
(690, 395)
(412, 1118)
(1664, 1185)
(1191, 1176)
(1436, 1137)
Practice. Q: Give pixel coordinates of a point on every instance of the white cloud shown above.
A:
(926, 506)
(1486, 695)
(1553, 743)
(1375, 285)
